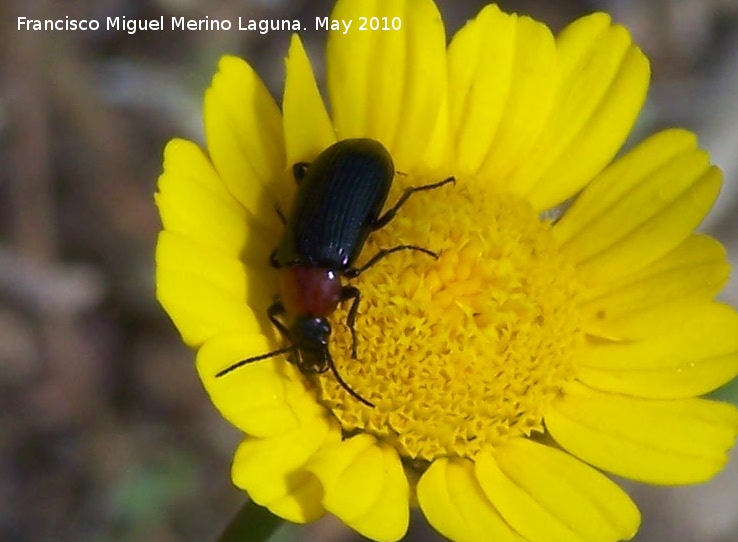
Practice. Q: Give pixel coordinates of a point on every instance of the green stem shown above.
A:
(252, 523)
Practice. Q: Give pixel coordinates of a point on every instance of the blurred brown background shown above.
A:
(105, 432)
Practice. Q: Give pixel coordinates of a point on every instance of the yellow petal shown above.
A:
(660, 233)
(252, 397)
(194, 202)
(186, 260)
(661, 296)
(365, 486)
(389, 85)
(349, 467)
(202, 300)
(455, 505)
(548, 495)
(520, 509)
(176, 251)
(436, 161)
(499, 113)
(389, 517)
(438, 505)
(477, 94)
(658, 210)
(699, 355)
(604, 78)
(307, 128)
(302, 503)
(622, 176)
(270, 469)
(656, 441)
(711, 332)
(243, 127)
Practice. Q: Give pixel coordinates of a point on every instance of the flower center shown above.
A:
(461, 352)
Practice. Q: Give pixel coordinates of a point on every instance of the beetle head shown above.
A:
(310, 335)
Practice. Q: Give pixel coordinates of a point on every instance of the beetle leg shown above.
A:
(343, 383)
(299, 170)
(353, 272)
(273, 260)
(274, 310)
(351, 292)
(390, 214)
(281, 216)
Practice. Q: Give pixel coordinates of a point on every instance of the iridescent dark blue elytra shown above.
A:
(338, 201)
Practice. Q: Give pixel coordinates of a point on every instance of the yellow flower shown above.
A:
(532, 353)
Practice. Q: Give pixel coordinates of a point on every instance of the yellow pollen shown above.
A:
(461, 352)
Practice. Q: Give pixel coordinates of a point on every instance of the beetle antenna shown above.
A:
(343, 383)
(255, 358)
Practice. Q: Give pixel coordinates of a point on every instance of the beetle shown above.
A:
(340, 196)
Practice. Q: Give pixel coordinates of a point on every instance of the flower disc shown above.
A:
(466, 350)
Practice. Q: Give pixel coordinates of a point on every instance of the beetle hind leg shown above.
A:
(390, 214)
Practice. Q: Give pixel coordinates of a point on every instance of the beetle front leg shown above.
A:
(274, 310)
(390, 214)
(273, 260)
(351, 292)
